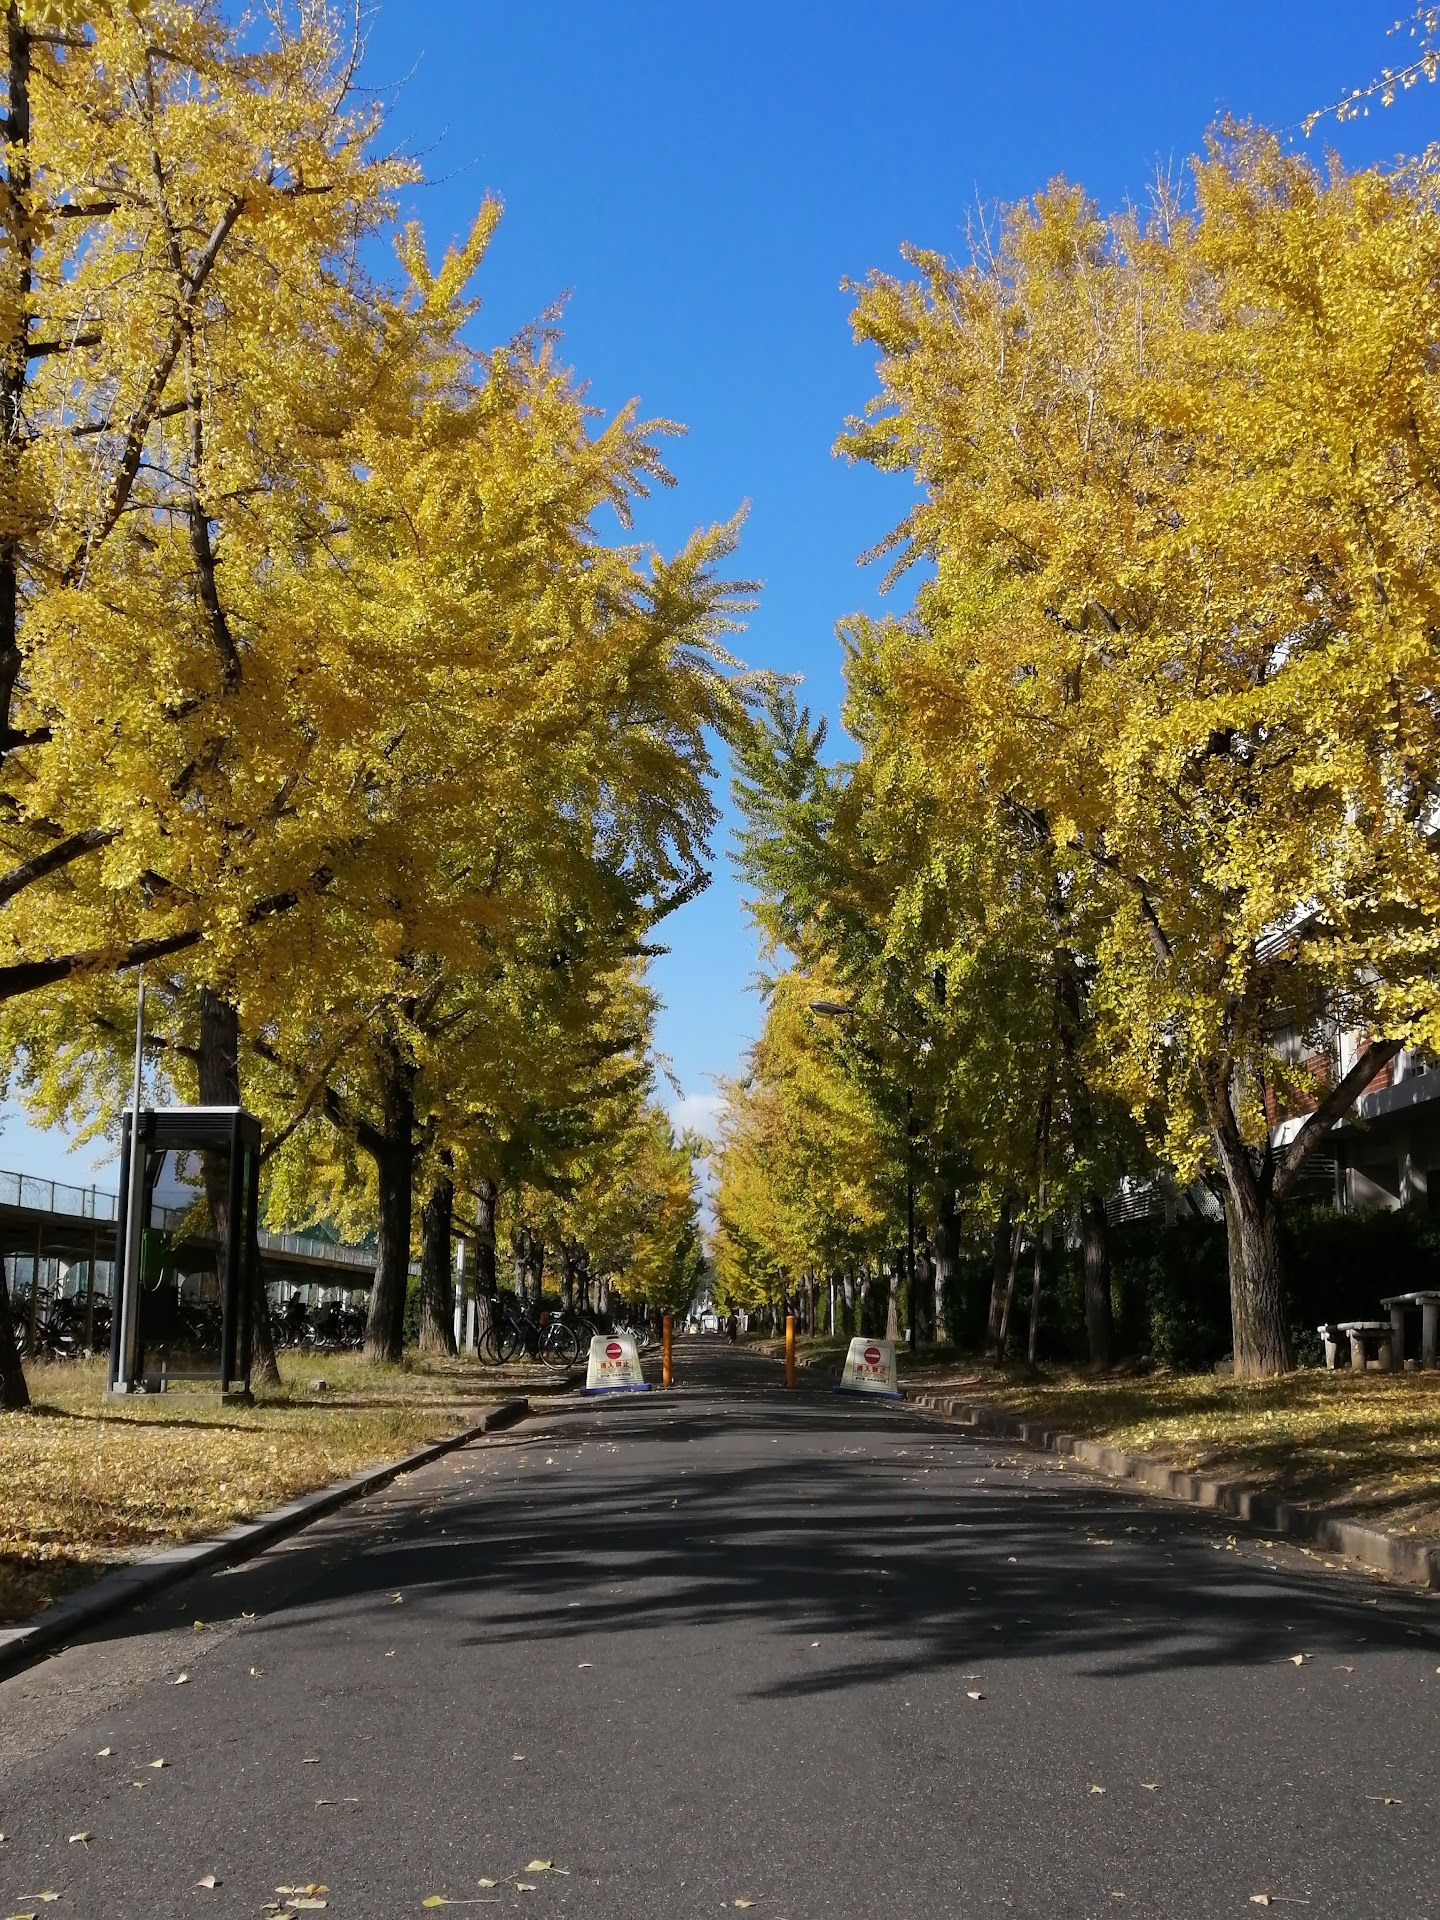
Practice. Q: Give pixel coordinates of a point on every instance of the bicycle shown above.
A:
(540, 1336)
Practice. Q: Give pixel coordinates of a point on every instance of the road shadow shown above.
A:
(902, 1547)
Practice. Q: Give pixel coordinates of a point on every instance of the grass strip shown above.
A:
(86, 1483)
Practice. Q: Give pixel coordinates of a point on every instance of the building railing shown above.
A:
(28, 1190)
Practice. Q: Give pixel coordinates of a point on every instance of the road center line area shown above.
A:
(730, 1647)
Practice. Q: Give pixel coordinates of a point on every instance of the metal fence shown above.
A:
(89, 1203)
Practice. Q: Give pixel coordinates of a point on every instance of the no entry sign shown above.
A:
(614, 1365)
(870, 1368)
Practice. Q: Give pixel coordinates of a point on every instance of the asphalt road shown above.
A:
(731, 1646)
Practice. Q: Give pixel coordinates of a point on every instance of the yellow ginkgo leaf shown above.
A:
(539, 1866)
(207, 1880)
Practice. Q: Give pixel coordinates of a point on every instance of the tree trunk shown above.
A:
(892, 1305)
(219, 1075)
(394, 1155)
(14, 1394)
(847, 1303)
(1002, 1333)
(947, 1234)
(1252, 1221)
(1003, 1236)
(485, 1280)
(1257, 1298)
(437, 1288)
(535, 1268)
(1099, 1314)
(567, 1277)
(520, 1262)
(1031, 1344)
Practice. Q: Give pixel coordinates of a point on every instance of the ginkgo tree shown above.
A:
(1178, 487)
(324, 696)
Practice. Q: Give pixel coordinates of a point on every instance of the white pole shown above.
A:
(130, 1285)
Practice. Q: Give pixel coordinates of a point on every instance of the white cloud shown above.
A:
(697, 1112)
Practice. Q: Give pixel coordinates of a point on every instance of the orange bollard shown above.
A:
(665, 1351)
(789, 1349)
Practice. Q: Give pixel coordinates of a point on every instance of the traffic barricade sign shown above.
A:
(614, 1366)
(870, 1368)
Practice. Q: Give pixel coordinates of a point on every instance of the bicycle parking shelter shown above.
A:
(148, 1259)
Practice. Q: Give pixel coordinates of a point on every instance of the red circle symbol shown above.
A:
(872, 1356)
(614, 1351)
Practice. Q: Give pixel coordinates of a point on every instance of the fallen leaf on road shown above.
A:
(86, 1838)
(104, 1753)
(397, 1600)
(584, 1664)
(1150, 1786)
(1097, 1789)
(208, 1880)
(181, 1680)
(199, 1627)
(313, 1887)
(517, 1756)
(971, 1694)
(247, 1616)
(159, 1763)
(744, 1903)
(309, 1906)
(539, 1866)
(1298, 1659)
(524, 1886)
(1385, 1799)
(310, 1760)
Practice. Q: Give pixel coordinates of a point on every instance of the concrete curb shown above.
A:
(128, 1584)
(1415, 1562)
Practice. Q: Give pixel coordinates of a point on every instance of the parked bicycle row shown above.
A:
(67, 1327)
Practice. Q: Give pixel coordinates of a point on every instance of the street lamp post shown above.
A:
(837, 1010)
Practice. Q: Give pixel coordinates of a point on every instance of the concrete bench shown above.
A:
(1427, 1304)
(1373, 1332)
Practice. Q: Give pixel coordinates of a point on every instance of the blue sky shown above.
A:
(700, 180)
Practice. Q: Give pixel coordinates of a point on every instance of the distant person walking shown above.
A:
(732, 1326)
